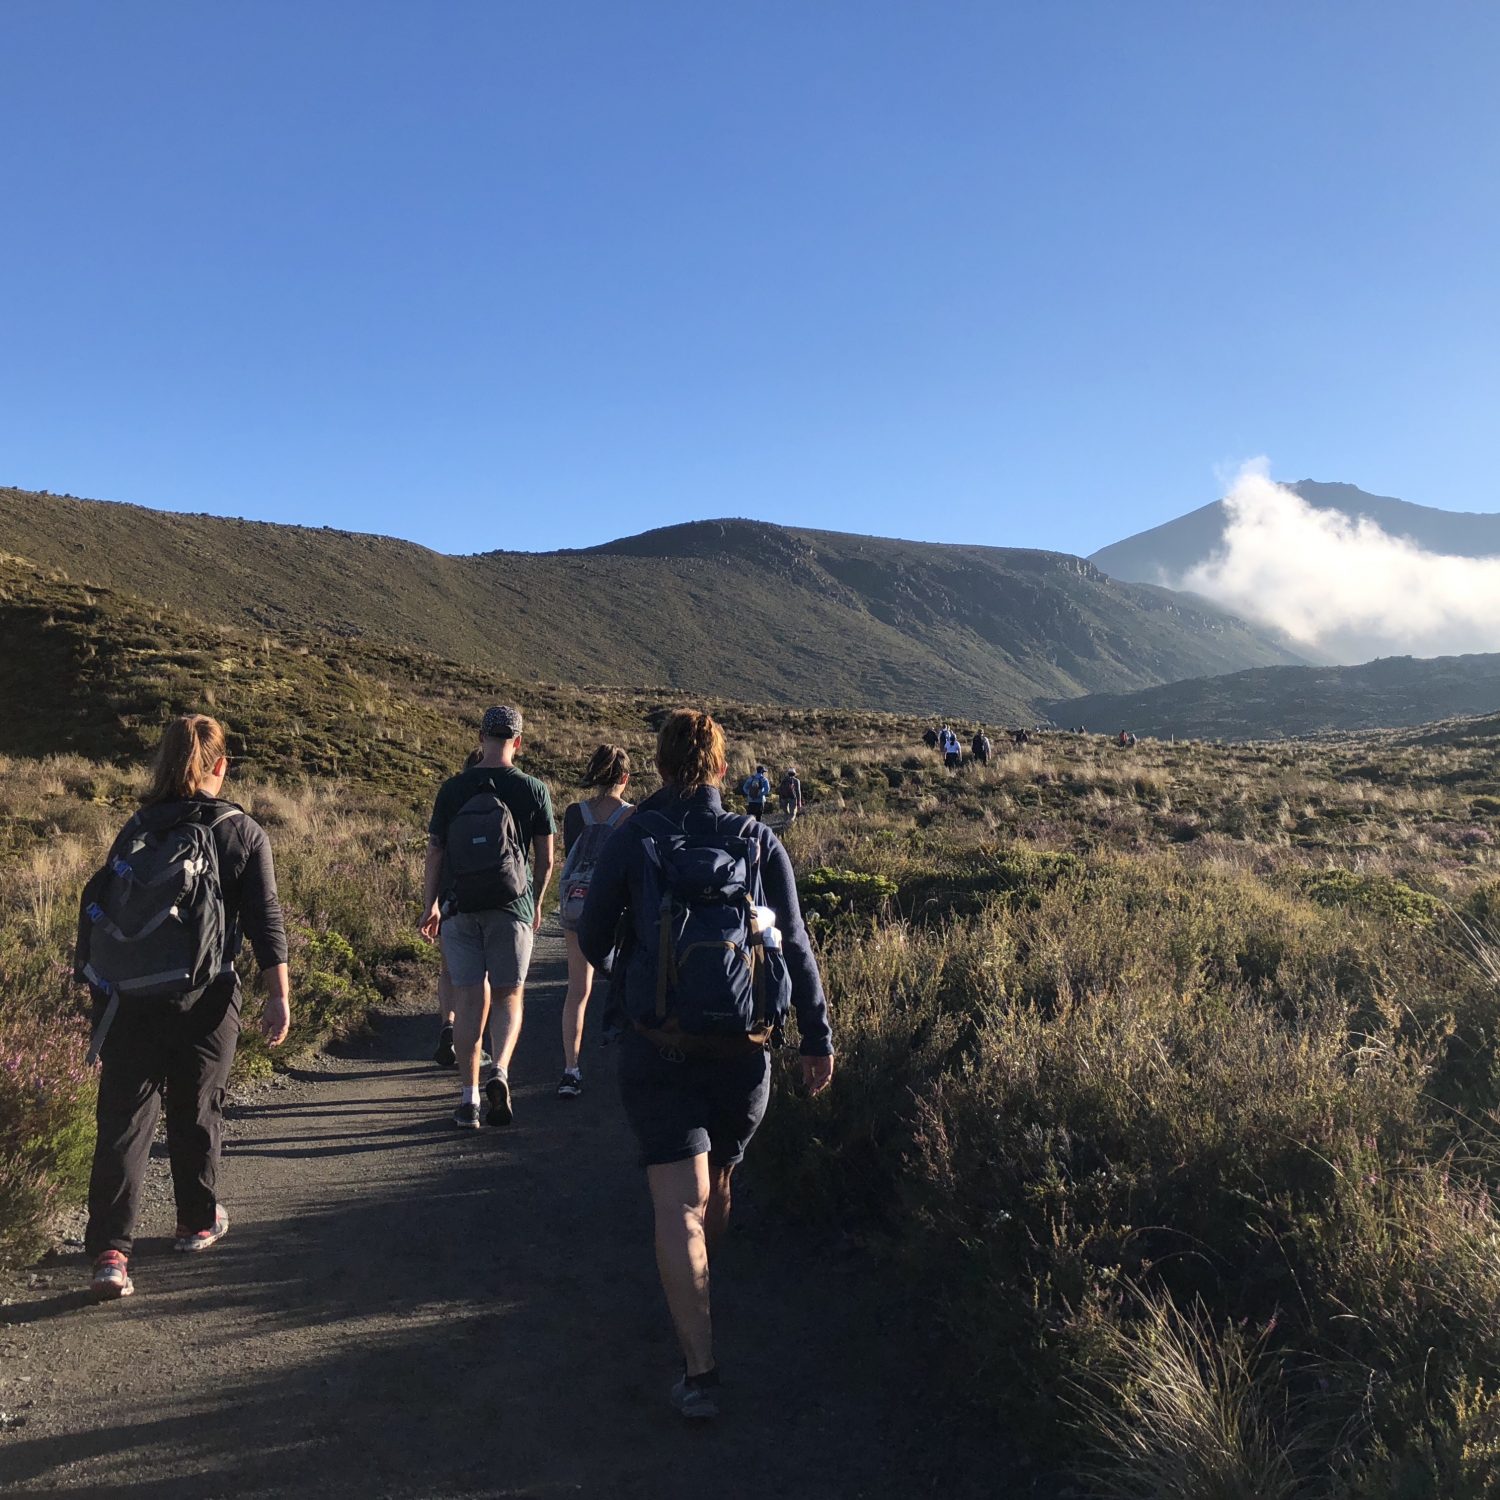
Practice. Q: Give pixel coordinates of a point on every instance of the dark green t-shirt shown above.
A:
(530, 804)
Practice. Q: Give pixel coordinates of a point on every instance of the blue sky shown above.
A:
(541, 275)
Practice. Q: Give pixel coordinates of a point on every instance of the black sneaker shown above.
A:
(497, 1091)
(445, 1056)
(570, 1087)
(696, 1402)
(466, 1117)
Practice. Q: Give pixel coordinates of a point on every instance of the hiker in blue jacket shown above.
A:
(757, 792)
(695, 1080)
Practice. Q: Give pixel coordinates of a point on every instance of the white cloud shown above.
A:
(1344, 588)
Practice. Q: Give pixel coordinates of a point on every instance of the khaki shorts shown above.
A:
(486, 944)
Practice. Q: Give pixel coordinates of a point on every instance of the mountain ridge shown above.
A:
(1392, 692)
(754, 611)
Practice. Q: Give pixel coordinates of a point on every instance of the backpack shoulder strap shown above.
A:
(588, 814)
(613, 819)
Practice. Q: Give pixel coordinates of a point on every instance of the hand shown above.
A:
(817, 1073)
(276, 1018)
(429, 924)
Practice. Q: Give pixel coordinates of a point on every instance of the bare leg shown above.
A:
(679, 1196)
(580, 984)
(470, 1012)
(716, 1219)
(506, 1015)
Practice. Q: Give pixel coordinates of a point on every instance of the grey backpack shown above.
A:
(578, 868)
(484, 859)
(154, 923)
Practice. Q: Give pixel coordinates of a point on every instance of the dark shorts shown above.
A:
(679, 1110)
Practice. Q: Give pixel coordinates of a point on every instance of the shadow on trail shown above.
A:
(418, 1311)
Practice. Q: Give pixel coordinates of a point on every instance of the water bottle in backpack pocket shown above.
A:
(705, 959)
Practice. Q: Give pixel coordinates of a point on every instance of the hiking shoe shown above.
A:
(698, 1403)
(445, 1056)
(466, 1117)
(190, 1241)
(570, 1087)
(485, 1060)
(111, 1277)
(497, 1091)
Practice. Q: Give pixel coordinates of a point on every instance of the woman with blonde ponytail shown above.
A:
(158, 935)
(711, 908)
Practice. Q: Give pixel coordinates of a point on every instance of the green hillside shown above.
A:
(1270, 702)
(751, 611)
(95, 672)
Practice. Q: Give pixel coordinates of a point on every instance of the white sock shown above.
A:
(498, 1072)
(471, 1095)
(574, 1072)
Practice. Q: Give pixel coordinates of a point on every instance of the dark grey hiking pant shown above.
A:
(153, 1050)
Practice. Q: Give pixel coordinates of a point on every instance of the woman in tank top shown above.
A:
(587, 826)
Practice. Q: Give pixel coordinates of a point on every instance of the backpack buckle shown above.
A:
(121, 868)
(94, 912)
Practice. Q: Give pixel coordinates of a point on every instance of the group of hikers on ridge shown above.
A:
(691, 912)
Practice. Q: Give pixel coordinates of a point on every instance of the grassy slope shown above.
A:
(751, 611)
(1093, 1007)
(1268, 702)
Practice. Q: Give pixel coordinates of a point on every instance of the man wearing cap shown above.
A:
(492, 943)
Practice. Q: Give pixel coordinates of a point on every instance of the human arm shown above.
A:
(541, 864)
(265, 928)
(609, 891)
(780, 886)
(432, 881)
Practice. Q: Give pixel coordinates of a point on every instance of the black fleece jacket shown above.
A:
(619, 877)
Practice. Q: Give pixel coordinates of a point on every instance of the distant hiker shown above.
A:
(757, 792)
(489, 853)
(791, 795)
(587, 828)
(982, 749)
(445, 1056)
(158, 933)
(953, 754)
(715, 956)
(930, 738)
(1125, 739)
(1019, 737)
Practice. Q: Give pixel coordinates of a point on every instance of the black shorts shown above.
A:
(755, 809)
(681, 1109)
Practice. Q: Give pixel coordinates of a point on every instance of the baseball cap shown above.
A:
(501, 723)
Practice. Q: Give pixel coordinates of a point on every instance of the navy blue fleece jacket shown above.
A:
(619, 876)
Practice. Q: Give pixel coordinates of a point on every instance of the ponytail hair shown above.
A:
(690, 751)
(608, 766)
(191, 746)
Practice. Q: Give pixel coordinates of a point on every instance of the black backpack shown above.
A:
(483, 857)
(153, 923)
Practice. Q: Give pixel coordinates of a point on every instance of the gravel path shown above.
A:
(402, 1309)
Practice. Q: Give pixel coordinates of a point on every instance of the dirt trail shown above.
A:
(403, 1309)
